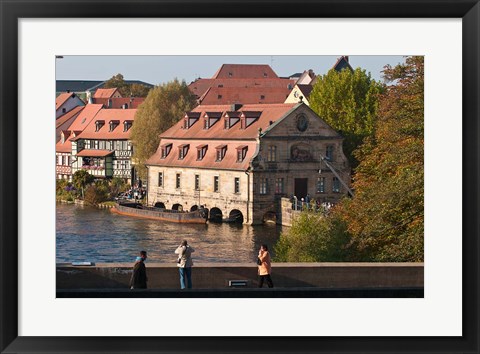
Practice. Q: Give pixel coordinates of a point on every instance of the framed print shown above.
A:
(437, 313)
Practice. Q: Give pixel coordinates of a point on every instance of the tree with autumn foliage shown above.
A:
(385, 218)
(347, 101)
(164, 106)
(384, 221)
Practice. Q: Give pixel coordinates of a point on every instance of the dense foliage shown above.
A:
(313, 238)
(97, 192)
(386, 216)
(348, 102)
(164, 106)
(81, 179)
(384, 220)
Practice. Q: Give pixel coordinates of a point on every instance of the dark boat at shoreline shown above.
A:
(141, 211)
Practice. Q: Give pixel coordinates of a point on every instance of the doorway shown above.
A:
(301, 187)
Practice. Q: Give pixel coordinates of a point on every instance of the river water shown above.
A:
(87, 234)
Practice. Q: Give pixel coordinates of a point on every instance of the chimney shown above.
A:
(236, 106)
(346, 58)
(68, 91)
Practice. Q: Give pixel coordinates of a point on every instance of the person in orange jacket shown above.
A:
(265, 266)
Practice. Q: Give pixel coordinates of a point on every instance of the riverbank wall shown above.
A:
(224, 276)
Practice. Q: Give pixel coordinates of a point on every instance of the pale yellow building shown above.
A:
(239, 160)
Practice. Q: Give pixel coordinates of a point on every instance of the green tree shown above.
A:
(117, 185)
(97, 193)
(139, 90)
(126, 89)
(81, 179)
(314, 237)
(385, 218)
(164, 106)
(348, 102)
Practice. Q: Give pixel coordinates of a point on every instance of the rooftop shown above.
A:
(104, 130)
(268, 113)
(67, 116)
(245, 71)
(105, 93)
(62, 98)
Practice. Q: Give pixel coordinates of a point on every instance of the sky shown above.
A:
(160, 69)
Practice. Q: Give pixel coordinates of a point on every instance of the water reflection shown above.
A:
(90, 234)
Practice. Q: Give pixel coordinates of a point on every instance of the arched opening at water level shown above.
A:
(194, 207)
(159, 205)
(216, 215)
(235, 216)
(178, 207)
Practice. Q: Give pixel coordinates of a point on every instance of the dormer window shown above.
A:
(241, 153)
(99, 124)
(230, 74)
(113, 124)
(249, 117)
(265, 75)
(182, 151)
(201, 151)
(231, 118)
(190, 119)
(166, 148)
(262, 97)
(127, 125)
(221, 151)
(210, 118)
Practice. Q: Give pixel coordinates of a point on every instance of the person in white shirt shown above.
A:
(184, 264)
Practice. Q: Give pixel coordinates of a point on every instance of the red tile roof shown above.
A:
(118, 102)
(229, 162)
(62, 98)
(217, 137)
(85, 117)
(66, 146)
(229, 95)
(95, 153)
(104, 132)
(201, 86)
(105, 93)
(245, 71)
(67, 116)
(269, 112)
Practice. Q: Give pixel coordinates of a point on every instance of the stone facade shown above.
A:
(284, 160)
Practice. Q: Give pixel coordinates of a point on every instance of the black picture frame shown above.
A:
(12, 10)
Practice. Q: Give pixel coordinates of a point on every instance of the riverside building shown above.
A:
(104, 148)
(240, 160)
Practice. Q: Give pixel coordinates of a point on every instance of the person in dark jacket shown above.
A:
(139, 276)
